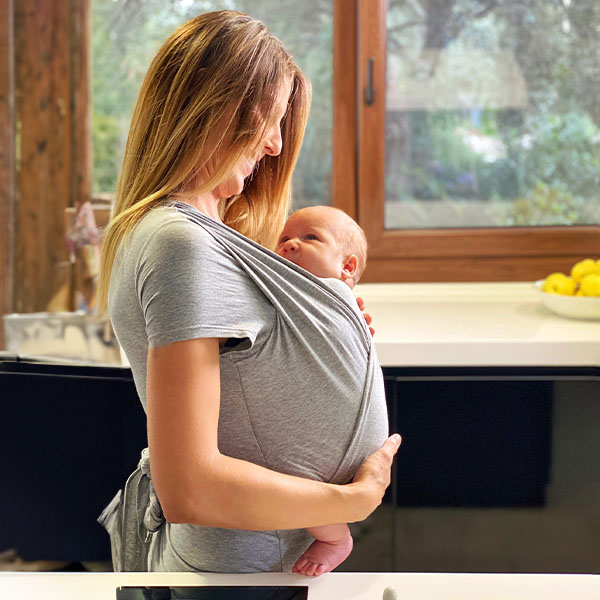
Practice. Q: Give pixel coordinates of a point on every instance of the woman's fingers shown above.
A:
(374, 475)
(377, 466)
(391, 445)
(369, 320)
(387, 452)
(367, 316)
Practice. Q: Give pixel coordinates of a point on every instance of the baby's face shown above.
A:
(308, 240)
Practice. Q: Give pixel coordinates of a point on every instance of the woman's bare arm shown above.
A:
(197, 484)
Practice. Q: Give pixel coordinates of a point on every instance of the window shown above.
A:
(479, 145)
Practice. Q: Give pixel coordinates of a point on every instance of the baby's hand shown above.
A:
(367, 316)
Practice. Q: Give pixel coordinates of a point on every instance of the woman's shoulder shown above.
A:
(166, 231)
(165, 222)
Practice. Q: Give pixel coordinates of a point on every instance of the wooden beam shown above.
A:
(7, 159)
(51, 41)
(81, 101)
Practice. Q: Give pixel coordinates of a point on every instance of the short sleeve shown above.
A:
(189, 287)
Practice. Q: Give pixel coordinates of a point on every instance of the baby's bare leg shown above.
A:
(332, 546)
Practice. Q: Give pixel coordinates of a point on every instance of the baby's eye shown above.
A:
(283, 240)
(311, 236)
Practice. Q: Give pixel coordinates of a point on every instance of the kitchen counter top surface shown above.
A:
(475, 324)
(456, 325)
(356, 586)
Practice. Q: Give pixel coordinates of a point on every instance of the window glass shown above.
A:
(492, 113)
(127, 34)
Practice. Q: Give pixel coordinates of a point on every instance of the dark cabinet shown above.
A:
(470, 440)
(71, 435)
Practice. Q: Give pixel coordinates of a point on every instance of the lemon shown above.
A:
(590, 285)
(584, 267)
(559, 283)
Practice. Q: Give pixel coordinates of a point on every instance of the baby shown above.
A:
(328, 243)
(325, 241)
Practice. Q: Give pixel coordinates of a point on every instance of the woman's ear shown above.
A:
(349, 269)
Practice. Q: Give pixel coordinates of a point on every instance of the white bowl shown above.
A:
(574, 307)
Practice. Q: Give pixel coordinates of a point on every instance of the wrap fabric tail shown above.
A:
(131, 518)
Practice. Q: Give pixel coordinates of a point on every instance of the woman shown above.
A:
(214, 138)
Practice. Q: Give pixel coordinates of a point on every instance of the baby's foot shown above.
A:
(322, 557)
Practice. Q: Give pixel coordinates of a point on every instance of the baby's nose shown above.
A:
(290, 245)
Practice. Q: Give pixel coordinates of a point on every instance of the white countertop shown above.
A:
(334, 586)
(474, 324)
(468, 325)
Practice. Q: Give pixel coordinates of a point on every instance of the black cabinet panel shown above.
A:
(471, 443)
(70, 438)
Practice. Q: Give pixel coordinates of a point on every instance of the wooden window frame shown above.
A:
(469, 254)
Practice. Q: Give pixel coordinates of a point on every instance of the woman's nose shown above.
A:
(273, 142)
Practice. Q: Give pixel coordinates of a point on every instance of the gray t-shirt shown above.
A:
(301, 389)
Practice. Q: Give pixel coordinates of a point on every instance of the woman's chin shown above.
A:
(230, 189)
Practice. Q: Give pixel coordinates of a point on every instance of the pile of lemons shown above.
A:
(583, 281)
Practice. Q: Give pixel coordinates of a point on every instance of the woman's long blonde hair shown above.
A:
(210, 92)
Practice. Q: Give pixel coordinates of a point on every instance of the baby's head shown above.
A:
(325, 241)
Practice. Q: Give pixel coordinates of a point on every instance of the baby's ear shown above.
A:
(349, 269)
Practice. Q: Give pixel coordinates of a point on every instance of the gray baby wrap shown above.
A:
(301, 387)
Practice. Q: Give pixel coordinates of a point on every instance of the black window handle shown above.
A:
(369, 89)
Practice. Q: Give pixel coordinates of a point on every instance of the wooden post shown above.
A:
(81, 101)
(7, 159)
(51, 48)
(81, 135)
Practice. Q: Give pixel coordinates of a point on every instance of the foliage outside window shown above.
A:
(492, 113)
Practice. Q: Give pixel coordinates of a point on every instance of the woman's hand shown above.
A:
(374, 473)
(367, 316)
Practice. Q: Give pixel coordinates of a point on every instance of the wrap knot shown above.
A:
(153, 514)
(144, 464)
